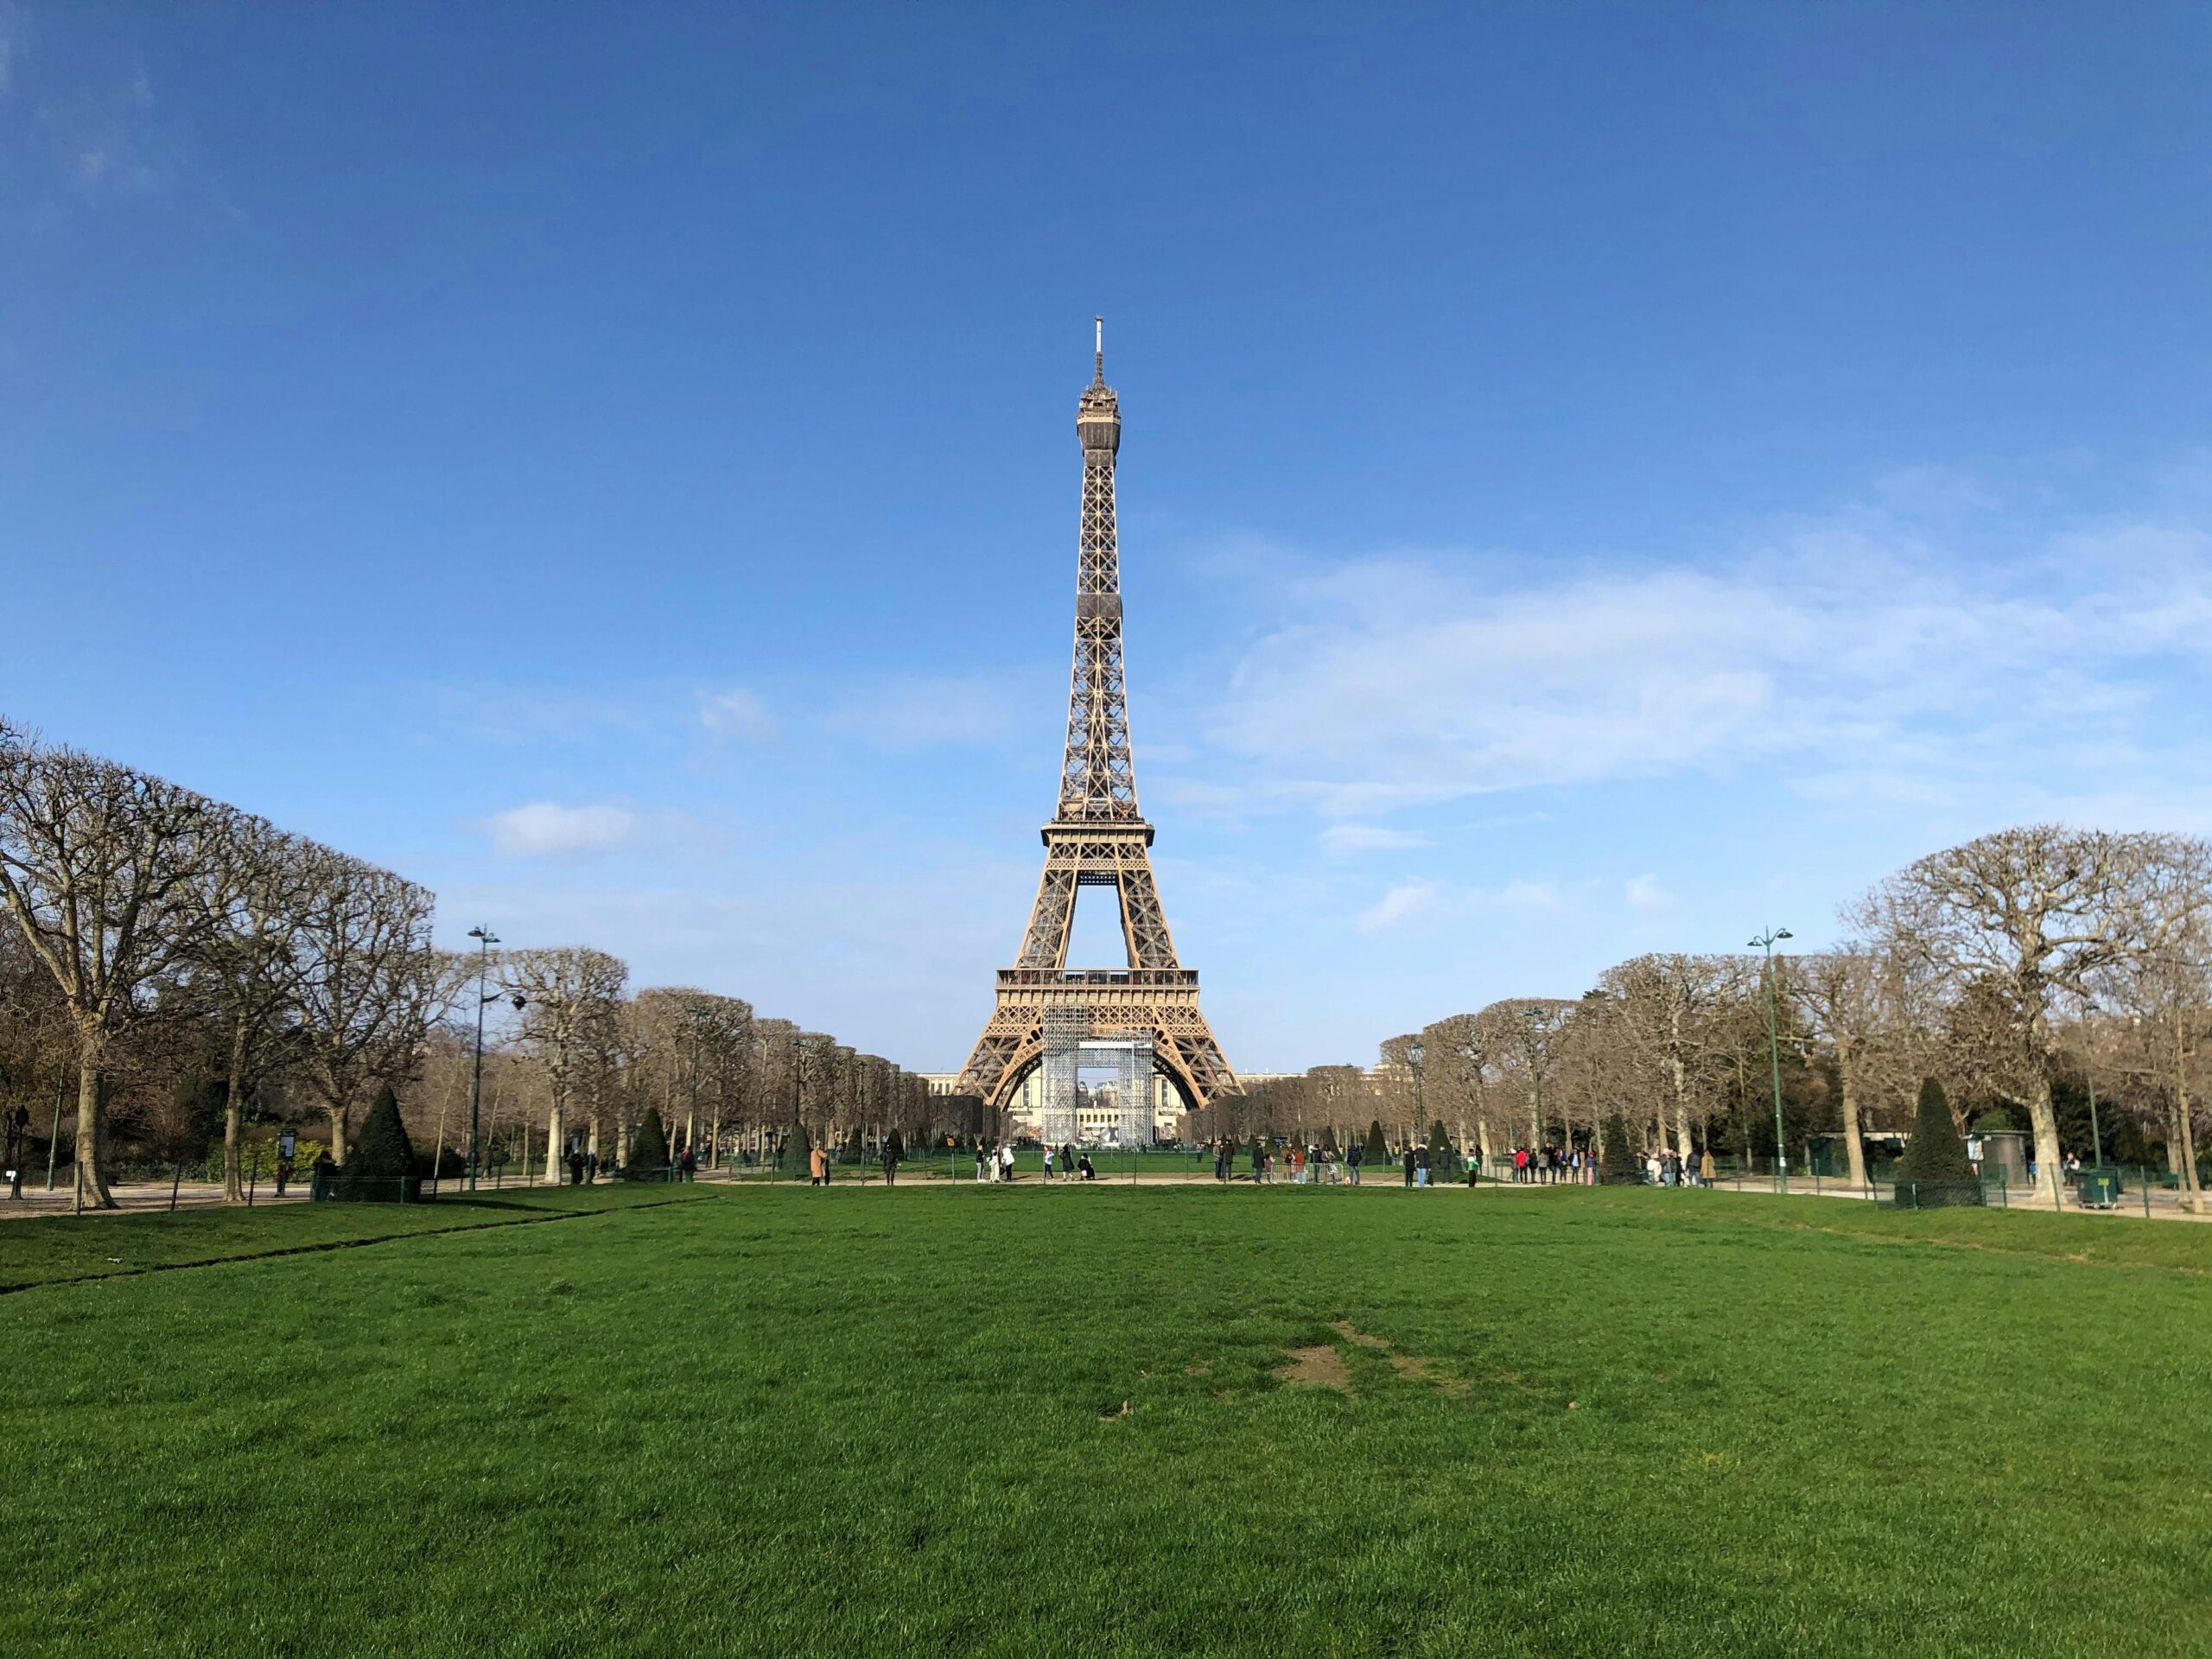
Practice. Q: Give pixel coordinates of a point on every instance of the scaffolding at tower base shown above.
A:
(1067, 1115)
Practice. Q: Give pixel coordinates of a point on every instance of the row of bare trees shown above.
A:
(138, 906)
(584, 1061)
(2025, 970)
(161, 948)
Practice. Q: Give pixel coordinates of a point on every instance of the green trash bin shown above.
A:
(2097, 1189)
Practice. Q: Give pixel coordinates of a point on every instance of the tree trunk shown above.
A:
(2191, 1195)
(1482, 1134)
(234, 1116)
(555, 1145)
(2173, 1143)
(337, 1117)
(2045, 1120)
(91, 1164)
(1851, 1149)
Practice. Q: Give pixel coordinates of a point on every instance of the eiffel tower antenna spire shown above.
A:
(1098, 837)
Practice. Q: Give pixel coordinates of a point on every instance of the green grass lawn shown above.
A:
(960, 1420)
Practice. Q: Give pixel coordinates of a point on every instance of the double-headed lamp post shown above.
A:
(486, 939)
(1766, 942)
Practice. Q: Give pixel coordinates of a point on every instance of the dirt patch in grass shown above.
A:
(1320, 1367)
(1412, 1366)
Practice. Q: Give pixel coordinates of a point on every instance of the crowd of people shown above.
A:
(1667, 1167)
(1418, 1166)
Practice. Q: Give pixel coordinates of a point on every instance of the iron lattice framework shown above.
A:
(1097, 838)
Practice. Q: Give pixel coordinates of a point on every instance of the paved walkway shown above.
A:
(139, 1197)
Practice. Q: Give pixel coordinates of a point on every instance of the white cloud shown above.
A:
(1645, 896)
(736, 715)
(1862, 648)
(1406, 901)
(1347, 838)
(1518, 894)
(546, 829)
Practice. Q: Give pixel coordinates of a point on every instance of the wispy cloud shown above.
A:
(548, 829)
(1425, 900)
(736, 715)
(1407, 901)
(1345, 839)
(1645, 896)
(1921, 651)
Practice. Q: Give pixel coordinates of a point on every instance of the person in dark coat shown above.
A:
(1409, 1165)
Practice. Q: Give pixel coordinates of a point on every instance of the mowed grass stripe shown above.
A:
(868, 1421)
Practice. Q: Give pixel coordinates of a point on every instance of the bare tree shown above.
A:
(1525, 1036)
(1457, 1053)
(249, 968)
(570, 993)
(2025, 914)
(1839, 993)
(2162, 982)
(107, 872)
(369, 984)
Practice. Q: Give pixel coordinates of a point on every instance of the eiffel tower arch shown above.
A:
(1097, 838)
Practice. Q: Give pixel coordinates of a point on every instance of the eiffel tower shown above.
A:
(1097, 838)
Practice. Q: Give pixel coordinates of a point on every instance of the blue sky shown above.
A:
(1595, 479)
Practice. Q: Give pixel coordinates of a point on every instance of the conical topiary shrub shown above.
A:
(648, 1160)
(1936, 1153)
(381, 1168)
(1378, 1149)
(1442, 1162)
(1617, 1162)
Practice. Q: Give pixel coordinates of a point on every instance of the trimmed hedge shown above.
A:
(380, 1167)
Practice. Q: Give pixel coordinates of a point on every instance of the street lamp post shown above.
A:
(1766, 942)
(1417, 1050)
(485, 940)
(2090, 1075)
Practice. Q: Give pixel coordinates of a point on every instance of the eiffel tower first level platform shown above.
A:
(1097, 838)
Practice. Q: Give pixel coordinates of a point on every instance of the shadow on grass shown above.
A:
(77, 1257)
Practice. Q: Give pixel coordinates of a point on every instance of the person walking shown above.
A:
(1353, 1158)
(1705, 1171)
(1006, 1160)
(1408, 1161)
(1048, 1163)
(818, 1167)
(575, 1168)
(1084, 1169)
(1420, 1168)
